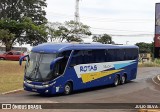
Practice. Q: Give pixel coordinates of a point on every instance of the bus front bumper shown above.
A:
(42, 89)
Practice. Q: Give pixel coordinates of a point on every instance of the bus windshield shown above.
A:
(38, 67)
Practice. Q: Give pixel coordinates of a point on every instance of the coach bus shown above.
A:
(65, 67)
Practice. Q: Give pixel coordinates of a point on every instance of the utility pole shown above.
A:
(77, 12)
(76, 17)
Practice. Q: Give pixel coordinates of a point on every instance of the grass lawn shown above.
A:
(155, 63)
(11, 76)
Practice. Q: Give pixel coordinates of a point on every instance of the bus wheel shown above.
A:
(68, 88)
(116, 80)
(123, 79)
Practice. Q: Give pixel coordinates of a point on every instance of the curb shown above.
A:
(14, 91)
(149, 110)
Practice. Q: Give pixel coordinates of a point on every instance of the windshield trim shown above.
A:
(36, 70)
(57, 54)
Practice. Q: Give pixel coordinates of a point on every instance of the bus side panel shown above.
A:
(79, 84)
(131, 71)
(70, 75)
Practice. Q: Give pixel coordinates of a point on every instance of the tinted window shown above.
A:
(99, 56)
(131, 54)
(88, 56)
(111, 55)
(65, 54)
(77, 58)
(120, 54)
(61, 65)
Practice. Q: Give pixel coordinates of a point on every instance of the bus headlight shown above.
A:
(46, 85)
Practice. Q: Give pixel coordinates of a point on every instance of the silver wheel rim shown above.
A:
(123, 79)
(116, 81)
(67, 89)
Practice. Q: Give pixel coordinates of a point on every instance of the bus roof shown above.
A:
(59, 47)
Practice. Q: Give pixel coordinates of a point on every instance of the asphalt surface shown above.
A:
(140, 90)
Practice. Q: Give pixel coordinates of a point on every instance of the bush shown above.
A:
(155, 63)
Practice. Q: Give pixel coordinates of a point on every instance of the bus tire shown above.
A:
(123, 79)
(68, 88)
(116, 81)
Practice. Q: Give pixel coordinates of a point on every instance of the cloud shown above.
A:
(109, 16)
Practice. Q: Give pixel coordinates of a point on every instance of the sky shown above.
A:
(127, 21)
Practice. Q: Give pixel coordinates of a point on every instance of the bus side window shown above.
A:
(127, 54)
(98, 56)
(135, 53)
(87, 57)
(120, 54)
(77, 58)
(131, 54)
(111, 55)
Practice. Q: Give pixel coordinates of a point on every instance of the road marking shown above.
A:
(155, 81)
(12, 91)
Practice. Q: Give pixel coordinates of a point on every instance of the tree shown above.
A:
(145, 47)
(22, 31)
(76, 34)
(34, 34)
(17, 9)
(104, 39)
(55, 30)
(6, 38)
(68, 32)
(35, 9)
(25, 19)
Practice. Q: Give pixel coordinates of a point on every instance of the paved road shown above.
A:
(143, 89)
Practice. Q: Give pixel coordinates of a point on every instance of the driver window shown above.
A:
(57, 70)
(61, 65)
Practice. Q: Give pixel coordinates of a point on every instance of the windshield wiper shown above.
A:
(32, 73)
(39, 74)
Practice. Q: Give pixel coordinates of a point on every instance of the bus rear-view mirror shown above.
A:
(22, 58)
(54, 62)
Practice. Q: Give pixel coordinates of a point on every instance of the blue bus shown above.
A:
(65, 67)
